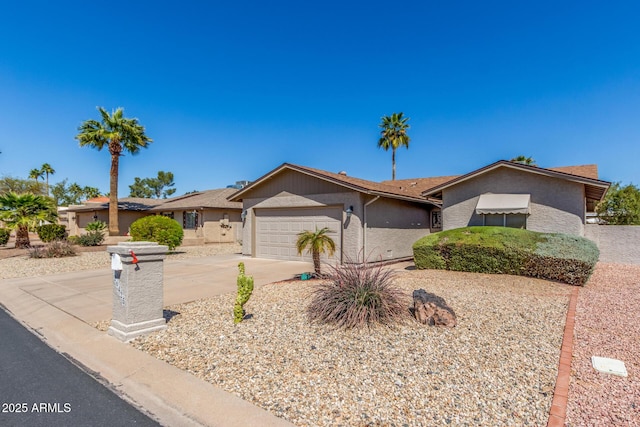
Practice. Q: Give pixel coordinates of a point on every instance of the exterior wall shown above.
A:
(210, 225)
(294, 183)
(557, 206)
(617, 243)
(352, 227)
(393, 226)
(79, 220)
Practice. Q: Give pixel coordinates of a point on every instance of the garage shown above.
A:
(276, 231)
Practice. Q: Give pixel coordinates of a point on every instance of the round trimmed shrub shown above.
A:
(156, 228)
(50, 232)
(5, 233)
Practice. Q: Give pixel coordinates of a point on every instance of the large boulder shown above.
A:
(430, 309)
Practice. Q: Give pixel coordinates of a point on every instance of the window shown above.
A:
(506, 220)
(190, 220)
(168, 214)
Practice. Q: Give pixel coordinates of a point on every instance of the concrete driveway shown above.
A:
(88, 295)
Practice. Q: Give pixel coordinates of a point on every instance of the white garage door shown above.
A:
(277, 231)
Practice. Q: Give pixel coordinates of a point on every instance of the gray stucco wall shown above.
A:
(392, 228)
(557, 206)
(617, 243)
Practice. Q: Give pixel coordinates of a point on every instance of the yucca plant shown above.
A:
(357, 295)
(317, 243)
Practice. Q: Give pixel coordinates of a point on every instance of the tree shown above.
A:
(47, 170)
(18, 185)
(23, 212)
(72, 194)
(139, 188)
(119, 134)
(394, 135)
(153, 187)
(621, 205)
(36, 174)
(524, 160)
(318, 242)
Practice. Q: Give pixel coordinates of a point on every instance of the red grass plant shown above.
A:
(357, 295)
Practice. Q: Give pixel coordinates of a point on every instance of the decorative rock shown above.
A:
(430, 309)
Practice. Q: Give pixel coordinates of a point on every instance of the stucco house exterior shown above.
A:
(553, 200)
(206, 216)
(366, 219)
(381, 221)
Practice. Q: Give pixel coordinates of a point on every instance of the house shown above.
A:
(206, 216)
(366, 219)
(552, 200)
(381, 221)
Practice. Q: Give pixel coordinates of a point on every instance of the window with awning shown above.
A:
(505, 210)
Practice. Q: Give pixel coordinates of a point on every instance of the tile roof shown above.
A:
(586, 171)
(377, 188)
(203, 199)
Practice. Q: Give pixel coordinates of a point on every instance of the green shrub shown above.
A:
(5, 233)
(50, 232)
(157, 228)
(92, 238)
(245, 289)
(96, 225)
(501, 250)
(55, 249)
(357, 295)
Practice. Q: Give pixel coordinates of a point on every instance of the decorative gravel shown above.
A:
(23, 266)
(607, 325)
(498, 366)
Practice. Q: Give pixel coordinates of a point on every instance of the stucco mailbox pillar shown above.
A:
(137, 289)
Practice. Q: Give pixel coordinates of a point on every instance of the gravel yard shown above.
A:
(16, 263)
(498, 366)
(607, 325)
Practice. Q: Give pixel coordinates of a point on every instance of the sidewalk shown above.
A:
(60, 308)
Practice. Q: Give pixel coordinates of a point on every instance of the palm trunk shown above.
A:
(316, 261)
(22, 237)
(393, 163)
(114, 229)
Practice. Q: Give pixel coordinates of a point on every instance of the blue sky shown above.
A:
(230, 90)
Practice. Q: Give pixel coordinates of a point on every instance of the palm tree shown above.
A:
(47, 170)
(394, 135)
(119, 134)
(524, 160)
(36, 174)
(23, 212)
(317, 243)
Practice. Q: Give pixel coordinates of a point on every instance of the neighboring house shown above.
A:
(554, 200)
(206, 216)
(130, 209)
(381, 221)
(365, 218)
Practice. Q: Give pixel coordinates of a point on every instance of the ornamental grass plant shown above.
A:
(357, 295)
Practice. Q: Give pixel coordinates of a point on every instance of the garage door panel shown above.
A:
(277, 231)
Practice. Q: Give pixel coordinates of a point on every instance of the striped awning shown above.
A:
(503, 204)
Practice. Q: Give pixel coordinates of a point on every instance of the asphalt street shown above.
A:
(41, 387)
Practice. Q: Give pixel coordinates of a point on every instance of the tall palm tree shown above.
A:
(318, 242)
(23, 212)
(36, 174)
(47, 170)
(524, 160)
(394, 135)
(119, 134)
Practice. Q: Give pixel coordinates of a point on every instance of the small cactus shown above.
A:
(245, 288)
